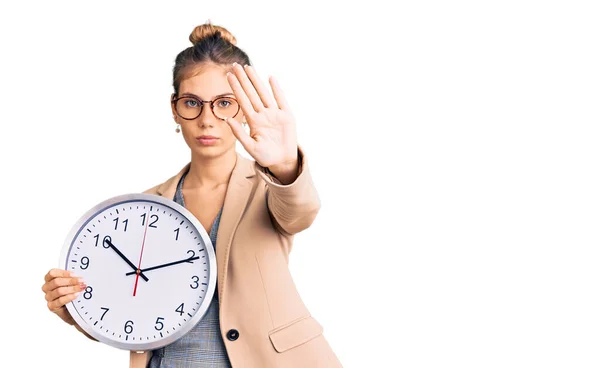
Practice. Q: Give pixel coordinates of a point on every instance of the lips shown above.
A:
(206, 140)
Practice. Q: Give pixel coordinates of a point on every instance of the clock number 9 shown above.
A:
(128, 327)
(85, 261)
(104, 244)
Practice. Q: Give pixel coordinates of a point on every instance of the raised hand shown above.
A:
(272, 141)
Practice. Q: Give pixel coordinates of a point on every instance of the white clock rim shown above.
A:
(168, 339)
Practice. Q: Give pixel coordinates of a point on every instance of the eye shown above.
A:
(223, 103)
(190, 103)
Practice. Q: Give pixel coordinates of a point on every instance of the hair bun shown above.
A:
(207, 30)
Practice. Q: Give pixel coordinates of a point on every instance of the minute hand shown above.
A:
(165, 265)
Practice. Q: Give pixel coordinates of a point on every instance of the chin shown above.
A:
(212, 152)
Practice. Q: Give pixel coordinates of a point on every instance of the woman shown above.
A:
(251, 209)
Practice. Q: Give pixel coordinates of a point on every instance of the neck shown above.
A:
(210, 172)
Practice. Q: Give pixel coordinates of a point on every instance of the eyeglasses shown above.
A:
(189, 107)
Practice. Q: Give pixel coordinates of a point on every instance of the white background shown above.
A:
(455, 146)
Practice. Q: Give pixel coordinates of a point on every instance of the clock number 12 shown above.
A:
(151, 224)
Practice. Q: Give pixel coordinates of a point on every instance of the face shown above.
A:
(207, 136)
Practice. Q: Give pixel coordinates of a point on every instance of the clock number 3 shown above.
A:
(195, 284)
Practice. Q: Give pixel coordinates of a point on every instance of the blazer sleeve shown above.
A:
(292, 207)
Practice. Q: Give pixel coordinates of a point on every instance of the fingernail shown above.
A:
(81, 280)
(82, 286)
(234, 63)
(77, 294)
(245, 66)
(72, 274)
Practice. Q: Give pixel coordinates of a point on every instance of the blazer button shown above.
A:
(233, 334)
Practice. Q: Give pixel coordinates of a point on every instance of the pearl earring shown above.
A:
(178, 129)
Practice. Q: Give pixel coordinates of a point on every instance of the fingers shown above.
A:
(57, 272)
(65, 290)
(265, 95)
(61, 287)
(240, 95)
(278, 92)
(56, 304)
(241, 135)
(59, 282)
(62, 290)
(248, 88)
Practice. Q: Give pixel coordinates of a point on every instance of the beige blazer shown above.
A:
(257, 295)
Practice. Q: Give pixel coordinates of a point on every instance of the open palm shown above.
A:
(272, 139)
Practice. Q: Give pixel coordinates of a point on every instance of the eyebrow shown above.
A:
(217, 96)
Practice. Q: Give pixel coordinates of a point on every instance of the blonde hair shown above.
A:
(207, 30)
(211, 44)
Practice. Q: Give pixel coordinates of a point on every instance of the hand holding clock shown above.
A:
(62, 287)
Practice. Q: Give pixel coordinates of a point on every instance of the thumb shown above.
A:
(239, 132)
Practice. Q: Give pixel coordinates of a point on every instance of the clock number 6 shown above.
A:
(128, 327)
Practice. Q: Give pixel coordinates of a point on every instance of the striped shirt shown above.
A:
(202, 346)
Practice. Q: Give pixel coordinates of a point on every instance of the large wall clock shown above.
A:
(150, 270)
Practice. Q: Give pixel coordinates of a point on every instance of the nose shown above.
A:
(207, 118)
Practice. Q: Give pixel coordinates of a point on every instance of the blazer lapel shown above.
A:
(236, 198)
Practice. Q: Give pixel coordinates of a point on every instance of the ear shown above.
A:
(172, 105)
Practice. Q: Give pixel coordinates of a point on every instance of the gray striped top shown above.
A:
(203, 346)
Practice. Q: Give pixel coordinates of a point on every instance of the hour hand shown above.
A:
(166, 265)
(110, 244)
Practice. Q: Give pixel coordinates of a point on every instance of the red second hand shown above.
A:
(137, 276)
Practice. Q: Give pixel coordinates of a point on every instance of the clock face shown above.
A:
(149, 267)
